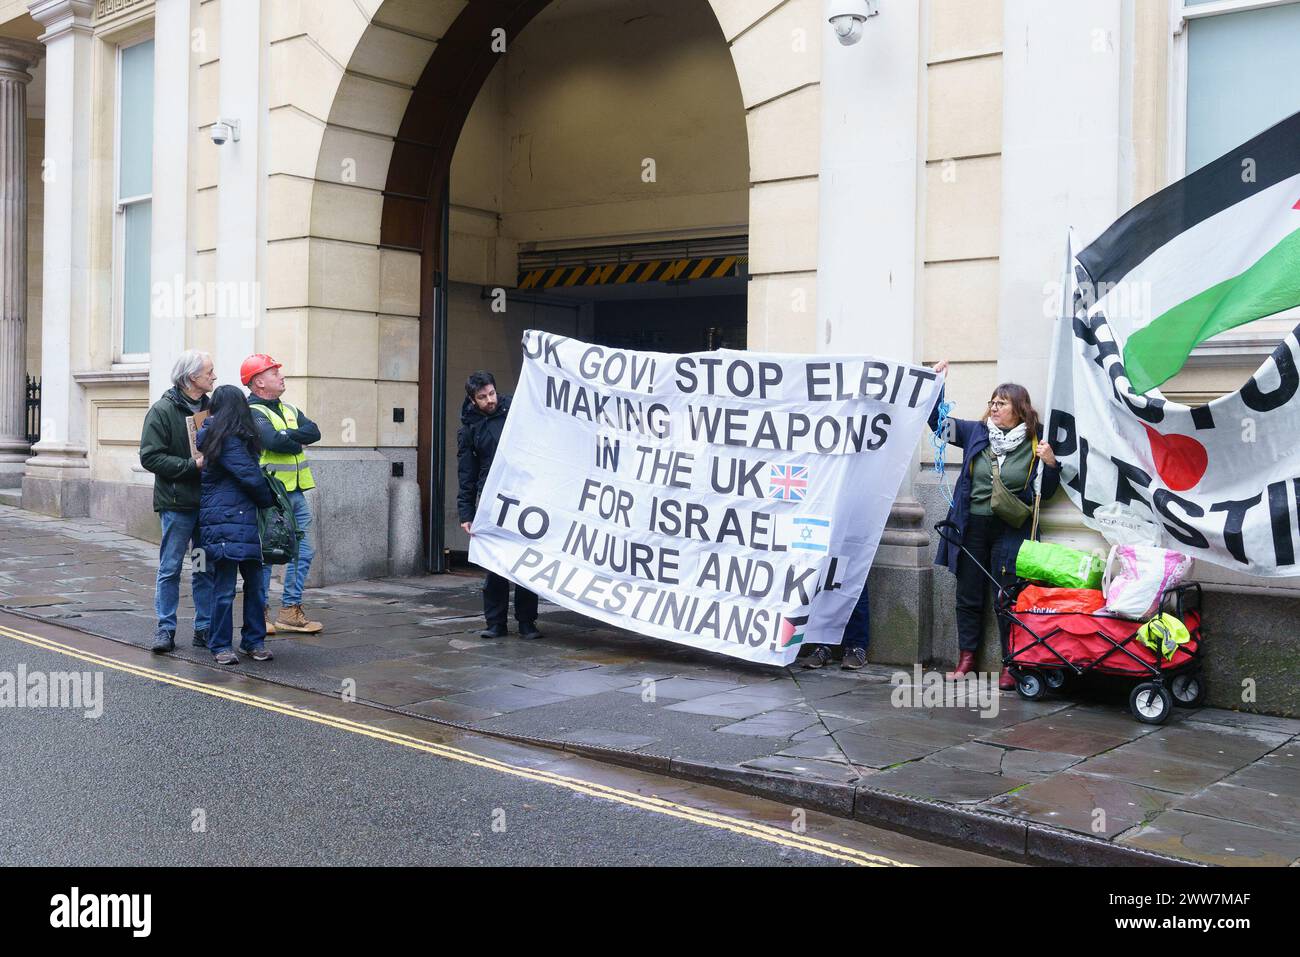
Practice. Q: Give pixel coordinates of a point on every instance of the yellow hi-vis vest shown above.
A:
(292, 470)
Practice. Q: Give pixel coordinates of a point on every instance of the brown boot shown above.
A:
(292, 618)
(270, 625)
(965, 665)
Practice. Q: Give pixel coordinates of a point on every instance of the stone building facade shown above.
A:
(403, 186)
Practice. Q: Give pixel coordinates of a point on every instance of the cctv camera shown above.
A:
(848, 16)
(224, 130)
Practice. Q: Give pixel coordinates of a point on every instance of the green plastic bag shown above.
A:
(1059, 566)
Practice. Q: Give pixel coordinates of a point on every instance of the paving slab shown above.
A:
(1214, 841)
(938, 782)
(1028, 763)
(806, 768)
(686, 689)
(1229, 748)
(1036, 736)
(822, 747)
(576, 683)
(506, 699)
(919, 728)
(773, 724)
(1221, 717)
(1071, 800)
(445, 710)
(867, 750)
(1270, 810)
(1272, 772)
(1164, 774)
(734, 705)
(603, 738)
(971, 756)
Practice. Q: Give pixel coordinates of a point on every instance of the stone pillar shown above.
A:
(241, 223)
(56, 480)
(869, 270)
(16, 58)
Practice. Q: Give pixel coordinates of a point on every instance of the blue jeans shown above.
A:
(180, 533)
(295, 573)
(857, 633)
(253, 634)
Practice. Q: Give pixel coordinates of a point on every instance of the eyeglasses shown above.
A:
(998, 403)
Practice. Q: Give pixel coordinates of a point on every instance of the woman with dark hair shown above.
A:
(234, 488)
(1005, 448)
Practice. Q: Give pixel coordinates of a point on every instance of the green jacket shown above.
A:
(165, 451)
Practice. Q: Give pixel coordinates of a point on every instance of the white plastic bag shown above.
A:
(1137, 577)
(1120, 525)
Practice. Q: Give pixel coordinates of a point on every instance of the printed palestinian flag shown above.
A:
(1213, 251)
(792, 630)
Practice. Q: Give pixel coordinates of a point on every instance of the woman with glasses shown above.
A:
(1005, 448)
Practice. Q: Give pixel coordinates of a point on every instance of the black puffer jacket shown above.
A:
(476, 446)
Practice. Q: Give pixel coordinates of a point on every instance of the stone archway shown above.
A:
(410, 74)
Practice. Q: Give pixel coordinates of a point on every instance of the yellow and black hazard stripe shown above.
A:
(618, 274)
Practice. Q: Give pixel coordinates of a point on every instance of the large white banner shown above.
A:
(1219, 480)
(732, 501)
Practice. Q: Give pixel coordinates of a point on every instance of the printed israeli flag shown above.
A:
(807, 534)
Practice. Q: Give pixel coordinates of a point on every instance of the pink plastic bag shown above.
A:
(1144, 574)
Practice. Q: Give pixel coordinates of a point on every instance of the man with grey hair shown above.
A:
(165, 451)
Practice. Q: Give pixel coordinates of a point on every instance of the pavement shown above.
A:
(1069, 779)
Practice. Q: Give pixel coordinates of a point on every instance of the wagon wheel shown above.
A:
(1151, 703)
(1031, 685)
(1188, 689)
(1055, 677)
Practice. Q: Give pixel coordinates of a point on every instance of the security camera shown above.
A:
(848, 16)
(223, 130)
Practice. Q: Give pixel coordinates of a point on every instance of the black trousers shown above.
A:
(994, 545)
(496, 602)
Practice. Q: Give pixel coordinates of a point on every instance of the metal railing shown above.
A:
(33, 409)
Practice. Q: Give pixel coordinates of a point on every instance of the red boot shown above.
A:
(1006, 682)
(965, 665)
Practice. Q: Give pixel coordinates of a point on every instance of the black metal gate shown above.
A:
(33, 409)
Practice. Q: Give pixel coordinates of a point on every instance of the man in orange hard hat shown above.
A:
(284, 430)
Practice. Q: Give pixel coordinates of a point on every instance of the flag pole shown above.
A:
(1065, 313)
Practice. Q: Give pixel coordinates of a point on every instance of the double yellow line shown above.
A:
(657, 805)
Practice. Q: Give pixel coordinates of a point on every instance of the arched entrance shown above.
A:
(465, 44)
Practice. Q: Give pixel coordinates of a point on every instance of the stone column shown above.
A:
(56, 480)
(869, 270)
(16, 58)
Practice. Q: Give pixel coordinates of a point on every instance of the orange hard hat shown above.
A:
(258, 362)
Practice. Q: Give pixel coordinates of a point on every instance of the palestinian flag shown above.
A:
(792, 630)
(1213, 251)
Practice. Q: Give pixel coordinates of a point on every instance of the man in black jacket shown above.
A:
(482, 418)
(165, 451)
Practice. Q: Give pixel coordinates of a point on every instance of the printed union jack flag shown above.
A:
(788, 482)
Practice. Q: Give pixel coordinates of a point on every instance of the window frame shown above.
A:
(1233, 346)
(121, 358)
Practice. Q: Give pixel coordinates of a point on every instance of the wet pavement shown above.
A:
(1211, 786)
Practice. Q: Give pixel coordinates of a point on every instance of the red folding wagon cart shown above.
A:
(1051, 642)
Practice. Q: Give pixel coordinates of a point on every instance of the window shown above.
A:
(1234, 75)
(134, 193)
(1241, 73)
